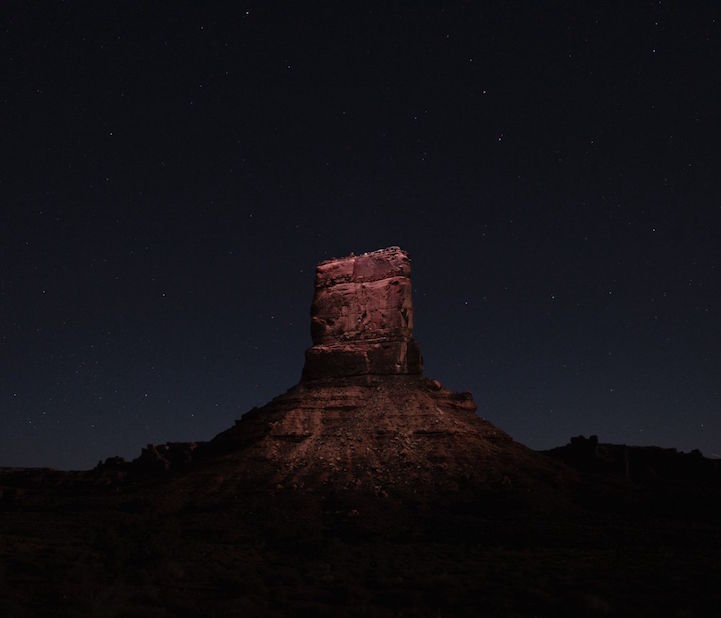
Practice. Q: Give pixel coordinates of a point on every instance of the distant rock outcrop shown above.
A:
(637, 463)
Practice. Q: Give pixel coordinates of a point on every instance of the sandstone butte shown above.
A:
(362, 317)
(363, 417)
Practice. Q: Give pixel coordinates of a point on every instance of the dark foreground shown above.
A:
(78, 545)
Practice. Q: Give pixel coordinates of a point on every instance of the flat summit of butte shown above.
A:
(363, 416)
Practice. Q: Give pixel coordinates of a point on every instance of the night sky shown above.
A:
(173, 172)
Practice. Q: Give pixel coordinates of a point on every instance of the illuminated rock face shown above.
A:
(362, 317)
(363, 418)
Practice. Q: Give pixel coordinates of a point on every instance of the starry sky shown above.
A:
(173, 172)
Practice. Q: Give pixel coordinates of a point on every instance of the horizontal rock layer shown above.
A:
(373, 266)
(378, 358)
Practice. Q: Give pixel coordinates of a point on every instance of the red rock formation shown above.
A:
(363, 417)
(362, 317)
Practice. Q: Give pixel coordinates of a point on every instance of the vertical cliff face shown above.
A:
(362, 318)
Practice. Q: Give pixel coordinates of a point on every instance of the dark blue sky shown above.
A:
(174, 172)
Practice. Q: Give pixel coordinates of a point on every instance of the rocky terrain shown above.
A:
(365, 490)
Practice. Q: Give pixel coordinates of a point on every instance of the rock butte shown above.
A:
(362, 317)
(363, 417)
